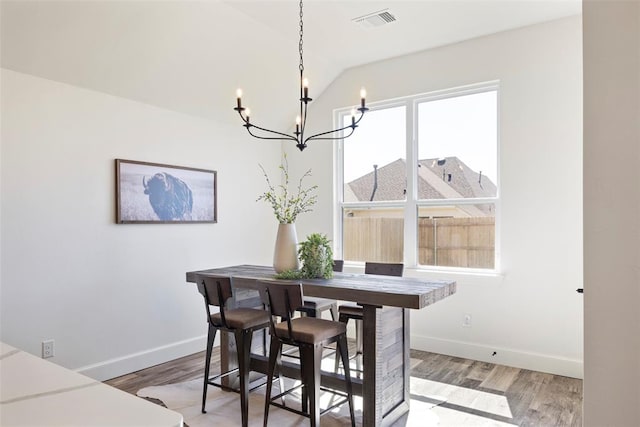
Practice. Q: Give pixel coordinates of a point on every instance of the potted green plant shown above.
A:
(317, 260)
(316, 256)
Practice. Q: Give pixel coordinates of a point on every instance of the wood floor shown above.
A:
(534, 398)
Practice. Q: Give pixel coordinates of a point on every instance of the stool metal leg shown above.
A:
(243, 343)
(342, 349)
(343, 319)
(358, 355)
(211, 336)
(334, 311)
(274, 354)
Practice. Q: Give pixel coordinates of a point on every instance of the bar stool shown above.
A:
(310, 335)
(313, 306)
(241, 322)
(354, 311)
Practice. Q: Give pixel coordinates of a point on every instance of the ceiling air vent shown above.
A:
(375, 19)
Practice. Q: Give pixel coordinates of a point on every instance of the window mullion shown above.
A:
(338, 173)
(411, 208)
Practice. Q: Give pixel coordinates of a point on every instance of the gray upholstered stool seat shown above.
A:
(242, 318)
(314, 306)
(310, 330)
(353, 311)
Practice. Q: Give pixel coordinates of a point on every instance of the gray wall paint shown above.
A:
(612, 213)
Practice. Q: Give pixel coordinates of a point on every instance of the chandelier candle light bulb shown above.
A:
(239, 95)
(299, 136)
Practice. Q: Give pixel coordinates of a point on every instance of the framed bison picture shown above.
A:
(148, 193)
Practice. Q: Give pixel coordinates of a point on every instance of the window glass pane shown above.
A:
(457, 236)
(456, 144)
(457, 147)
(374, 157)
(373, 234)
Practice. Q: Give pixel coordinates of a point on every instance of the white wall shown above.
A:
(530, 314)
(612, 213)
(113, 297)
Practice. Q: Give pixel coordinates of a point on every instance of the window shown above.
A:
(436, 209)
(374, 187)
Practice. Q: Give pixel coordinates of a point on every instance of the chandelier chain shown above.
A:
(300, 43)
(301, 120)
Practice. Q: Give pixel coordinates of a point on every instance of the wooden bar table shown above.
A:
(384, 386)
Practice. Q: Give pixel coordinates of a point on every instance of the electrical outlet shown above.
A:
(48, 349)
(466, 321)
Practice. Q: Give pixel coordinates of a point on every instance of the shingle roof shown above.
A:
(437, 179)
(391, 183)
(465, 181)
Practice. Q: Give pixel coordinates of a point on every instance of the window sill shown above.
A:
(471, 277)
(491, 278)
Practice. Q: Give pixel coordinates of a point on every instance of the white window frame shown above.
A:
(412, 204)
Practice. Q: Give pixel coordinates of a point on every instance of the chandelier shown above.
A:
(301, 120)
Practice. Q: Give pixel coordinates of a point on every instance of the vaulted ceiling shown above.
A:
(190, 56)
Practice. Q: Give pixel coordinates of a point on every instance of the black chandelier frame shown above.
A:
(301, 121)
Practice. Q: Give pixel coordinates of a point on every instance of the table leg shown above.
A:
(385, 381)
(371, 414)
(228, 358)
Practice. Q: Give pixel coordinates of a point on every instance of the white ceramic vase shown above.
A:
(285, 254)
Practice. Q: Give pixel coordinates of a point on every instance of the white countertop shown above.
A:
(36, 392)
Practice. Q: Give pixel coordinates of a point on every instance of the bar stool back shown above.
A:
(310, 335)
(241, 322)
(384, 269)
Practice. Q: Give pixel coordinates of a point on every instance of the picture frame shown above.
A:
(154, 193)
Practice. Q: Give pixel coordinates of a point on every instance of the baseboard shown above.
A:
(502, 356)
(536, 362)
(134, 362)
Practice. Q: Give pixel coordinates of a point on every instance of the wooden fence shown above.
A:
(453, 242)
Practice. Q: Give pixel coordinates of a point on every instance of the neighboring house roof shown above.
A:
(465, 181)
(437, 179)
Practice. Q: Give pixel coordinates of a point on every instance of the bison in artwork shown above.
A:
(170, 198)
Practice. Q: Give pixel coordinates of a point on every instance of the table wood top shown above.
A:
(405, 292)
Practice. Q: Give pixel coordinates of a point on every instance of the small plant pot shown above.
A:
(316, 256)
